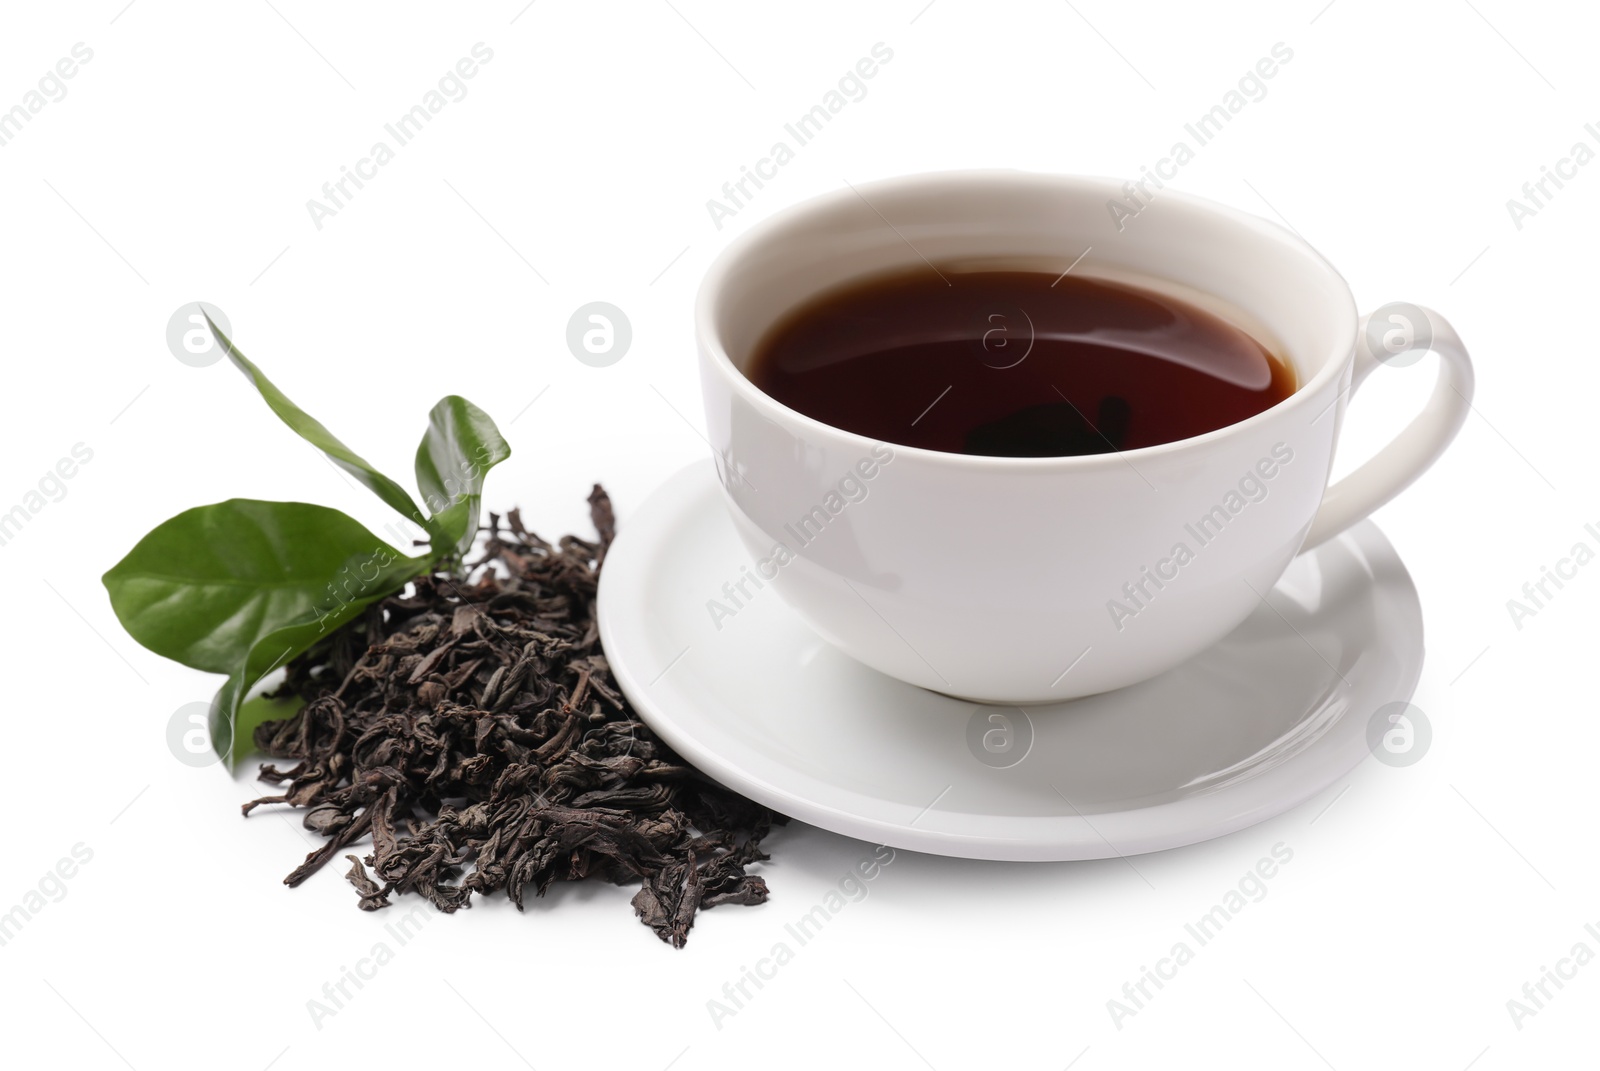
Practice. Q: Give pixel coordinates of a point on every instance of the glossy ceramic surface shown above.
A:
(1037, 579)
(1270, 716)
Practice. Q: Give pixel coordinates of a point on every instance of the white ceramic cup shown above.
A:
(1024, 580)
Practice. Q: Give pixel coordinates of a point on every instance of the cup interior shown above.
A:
(1254, 273)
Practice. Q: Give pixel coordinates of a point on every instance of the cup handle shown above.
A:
(1384, 335)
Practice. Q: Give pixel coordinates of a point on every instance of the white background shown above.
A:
(177, 168)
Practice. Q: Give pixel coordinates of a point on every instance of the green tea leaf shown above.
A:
(461, 445)
(243, 586)
(204, 587)
(311, 430)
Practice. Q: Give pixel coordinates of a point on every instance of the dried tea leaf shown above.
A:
(473, 730)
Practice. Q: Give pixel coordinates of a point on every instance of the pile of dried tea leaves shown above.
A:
(473, 731)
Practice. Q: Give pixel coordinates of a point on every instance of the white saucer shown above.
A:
(1267, 718)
